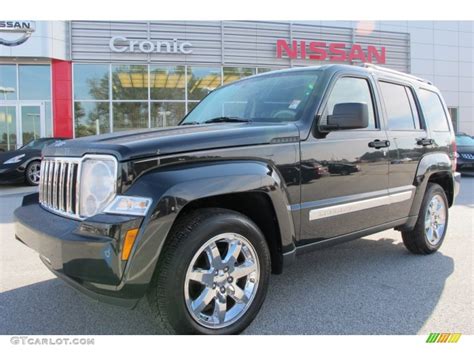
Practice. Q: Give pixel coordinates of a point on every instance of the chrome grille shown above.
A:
(59, 185)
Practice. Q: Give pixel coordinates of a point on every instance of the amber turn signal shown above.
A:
(128, 243)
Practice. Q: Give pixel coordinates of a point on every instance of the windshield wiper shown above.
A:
(189, 123)
(227, 119)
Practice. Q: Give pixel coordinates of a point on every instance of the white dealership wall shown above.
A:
(443, 52)
(49, 40)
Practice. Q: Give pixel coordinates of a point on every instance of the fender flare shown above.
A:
(29, 160)
(173, 187)
(429, 164)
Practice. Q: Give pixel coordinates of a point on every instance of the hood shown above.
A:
(163, 141)
(4, 156)
(465, 149)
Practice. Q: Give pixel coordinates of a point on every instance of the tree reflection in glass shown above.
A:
(201, 81)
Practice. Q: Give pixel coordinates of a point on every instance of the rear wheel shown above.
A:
(32, 173)
(212, 276)
(432, 223)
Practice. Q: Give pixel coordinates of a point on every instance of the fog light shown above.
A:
(129, 205)
(128, 242)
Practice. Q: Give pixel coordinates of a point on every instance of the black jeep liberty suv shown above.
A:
(196, 217)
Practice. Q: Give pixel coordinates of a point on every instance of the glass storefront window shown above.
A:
(168, 91)
(191, 105)
(167, 83)
(8, 90)
(91, 118)
(48, 119)
(202, 81)
(91, 81)
(30, 123)
(35, 82)
(129, 82)
(7, 128)
(129, 115)
(265, 70)
(233, 74)
(165, 114)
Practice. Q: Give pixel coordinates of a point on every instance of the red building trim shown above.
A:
(62, 98)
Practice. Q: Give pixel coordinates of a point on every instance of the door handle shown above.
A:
(377, 144)
(424, 141)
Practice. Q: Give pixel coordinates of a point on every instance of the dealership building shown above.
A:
(78, 78)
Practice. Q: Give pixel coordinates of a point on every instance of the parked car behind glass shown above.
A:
(23, 164)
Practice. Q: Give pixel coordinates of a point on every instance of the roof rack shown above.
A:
(396, 72)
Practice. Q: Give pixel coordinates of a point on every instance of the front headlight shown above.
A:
(98, 184)
(15, 159)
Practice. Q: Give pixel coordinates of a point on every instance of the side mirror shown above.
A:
(350, 115)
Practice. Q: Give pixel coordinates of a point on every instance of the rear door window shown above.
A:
(433, 111)
(400, 107)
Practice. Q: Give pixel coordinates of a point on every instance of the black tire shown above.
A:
(416, 241)
(166, 293)
(36, 164)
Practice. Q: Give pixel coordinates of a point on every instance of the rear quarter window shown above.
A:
(433, 110)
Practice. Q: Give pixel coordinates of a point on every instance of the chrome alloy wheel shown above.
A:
(435, 220)
(221, 280)
(33, 172)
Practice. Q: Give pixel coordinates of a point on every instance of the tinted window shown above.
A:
(433, 111)
(279, 97)
(233, 74)
(201, 81)
(348, 90)
(400, 113)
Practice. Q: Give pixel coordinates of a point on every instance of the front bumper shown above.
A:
(465, 165)
(86, 258)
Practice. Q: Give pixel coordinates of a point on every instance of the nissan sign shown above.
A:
(14, 33)
(338, 52)
(120, 44)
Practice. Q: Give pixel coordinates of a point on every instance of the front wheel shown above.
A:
(212, 275)
(432, 224)
(32, 173)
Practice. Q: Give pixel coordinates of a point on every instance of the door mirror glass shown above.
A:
(348, 115)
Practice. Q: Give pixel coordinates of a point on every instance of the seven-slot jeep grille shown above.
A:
(59, 185)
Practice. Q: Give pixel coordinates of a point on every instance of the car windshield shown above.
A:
(464, 140)
(276, 97)
(36, 144)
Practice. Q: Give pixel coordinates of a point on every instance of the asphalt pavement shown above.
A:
(369, 286)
